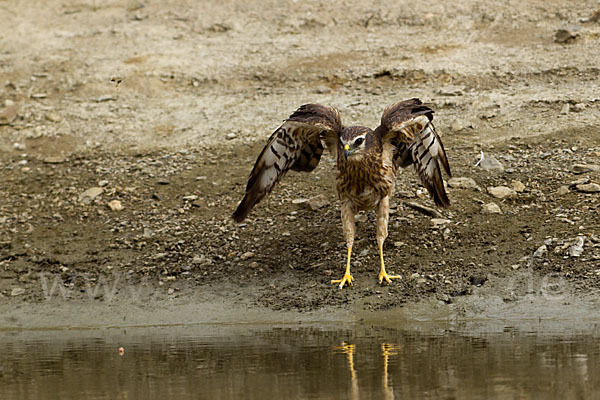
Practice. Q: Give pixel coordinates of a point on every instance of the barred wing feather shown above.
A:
(407, 126)
(296, 145)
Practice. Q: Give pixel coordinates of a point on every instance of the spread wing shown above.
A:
(295, 145)
(407, 131)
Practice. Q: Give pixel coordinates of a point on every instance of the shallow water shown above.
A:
(297, 362)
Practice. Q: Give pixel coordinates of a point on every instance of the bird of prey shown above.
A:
(367, 162)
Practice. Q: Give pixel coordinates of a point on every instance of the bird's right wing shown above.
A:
(296, 145)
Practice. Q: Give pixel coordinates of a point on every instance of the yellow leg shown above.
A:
(382, 274)
(347, 276)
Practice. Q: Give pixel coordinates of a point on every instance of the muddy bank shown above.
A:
(540, 305)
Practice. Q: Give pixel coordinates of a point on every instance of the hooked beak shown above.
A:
(347, 151)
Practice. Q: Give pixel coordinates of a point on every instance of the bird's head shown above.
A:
(355, 140)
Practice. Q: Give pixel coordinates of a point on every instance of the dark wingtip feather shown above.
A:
(439, 192)
(436, 188)
(441, 199)
(244, 208)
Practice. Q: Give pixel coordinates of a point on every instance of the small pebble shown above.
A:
(502, 192)
(462, 183)
(115, 205)
(490, 163)
(518, 186)
(588, 188)
(89, 195)
(492, 208)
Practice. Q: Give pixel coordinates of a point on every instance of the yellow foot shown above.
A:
(384, 275)
(346, 279)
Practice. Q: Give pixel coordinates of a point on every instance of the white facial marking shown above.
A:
(354, 142)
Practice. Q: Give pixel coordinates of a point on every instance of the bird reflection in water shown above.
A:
(387, 350)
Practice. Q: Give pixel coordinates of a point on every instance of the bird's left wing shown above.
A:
(296, 145)
(407, 131)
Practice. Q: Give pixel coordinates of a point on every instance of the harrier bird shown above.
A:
(367, 162)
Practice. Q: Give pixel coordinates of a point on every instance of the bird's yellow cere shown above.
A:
(347, 147)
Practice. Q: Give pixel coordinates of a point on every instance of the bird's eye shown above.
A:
(359, 141)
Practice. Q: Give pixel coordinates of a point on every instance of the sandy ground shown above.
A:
(201, 88)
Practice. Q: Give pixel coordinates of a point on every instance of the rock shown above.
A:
(579, 107)
(437, 222)
(518, 186)
(577, 249)
(492, 208)
(541, 251)
(447, 233)
(319, 201)
(565, 109)
(200, 259)
(38, 96)
(583, 168)
(104, 98)
(565, 35)
(53, 117)
(462, 183)
(8, 115)
(450, 91)
(246, 256)
(89, 195)
(562, 190)
(299, 202)
(220, 27)
(230, 136)
(115, 205)
(54, 160)
(17, 291)
(487, 115)
(407, 194)
(321, 89)
(502, 192)
(490, 163)
(200, 203)
(148, 233)
(190, 197)
(588, 188)
(432, 212)
(456, 126)
(580, 181)
(478, 279)
(103, 183)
